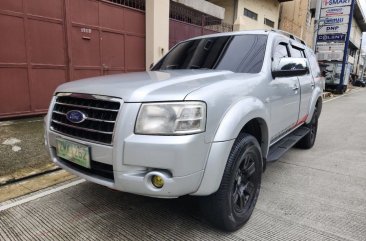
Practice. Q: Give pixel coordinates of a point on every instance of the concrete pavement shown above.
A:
(318, 194)
(22, 151)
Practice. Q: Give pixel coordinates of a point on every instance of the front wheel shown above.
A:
(232, 205)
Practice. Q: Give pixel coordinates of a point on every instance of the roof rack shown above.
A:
(291, 36)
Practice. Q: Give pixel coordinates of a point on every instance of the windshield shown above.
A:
(239, 53)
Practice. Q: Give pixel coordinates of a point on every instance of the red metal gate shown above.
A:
(32, 54)
(48, 42)
(105, 38)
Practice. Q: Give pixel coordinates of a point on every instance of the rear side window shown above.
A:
(314, 66)
(297, 53)
(239, 53)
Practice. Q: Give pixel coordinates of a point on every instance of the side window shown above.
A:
(303, 53)
(280, 51)
(297, 53)
(314, 66)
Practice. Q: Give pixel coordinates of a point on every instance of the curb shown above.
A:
(15, 180)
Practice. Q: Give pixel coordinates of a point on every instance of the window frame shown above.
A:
(251, 14)
(268, 20)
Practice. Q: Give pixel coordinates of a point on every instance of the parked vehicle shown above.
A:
(204, 121)
(359, 82)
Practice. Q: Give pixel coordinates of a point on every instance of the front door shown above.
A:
(284, 98)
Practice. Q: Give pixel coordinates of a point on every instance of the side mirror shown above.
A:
(287, 67)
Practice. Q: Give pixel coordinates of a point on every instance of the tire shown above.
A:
(308, 140)
(232, 205)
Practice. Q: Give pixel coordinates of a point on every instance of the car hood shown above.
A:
(146, 86)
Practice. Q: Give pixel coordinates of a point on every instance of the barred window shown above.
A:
(137, 4)
(250, 14)
(268, 22)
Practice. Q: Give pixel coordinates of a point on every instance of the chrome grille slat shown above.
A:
(81, 128)
(86, 107)
(100, 117)
(79, 138)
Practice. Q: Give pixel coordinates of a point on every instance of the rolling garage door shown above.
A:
(48, 42)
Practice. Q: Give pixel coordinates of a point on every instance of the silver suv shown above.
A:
(204, 121)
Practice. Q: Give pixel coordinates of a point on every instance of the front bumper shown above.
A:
(132, 158)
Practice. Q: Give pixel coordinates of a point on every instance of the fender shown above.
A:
(241, 113)
(314, 98)
(231, 124)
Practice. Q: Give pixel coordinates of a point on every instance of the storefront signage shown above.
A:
(330, 55)
(333, 32)
(324, 46)
(335, 3)
(331, 37)
(332, 12)
(334, 20)
(327, 29)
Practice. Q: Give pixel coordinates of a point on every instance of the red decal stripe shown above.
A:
(301, 120)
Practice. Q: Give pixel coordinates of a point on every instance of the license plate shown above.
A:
(71, 151)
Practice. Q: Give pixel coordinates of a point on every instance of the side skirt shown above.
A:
(282, 146)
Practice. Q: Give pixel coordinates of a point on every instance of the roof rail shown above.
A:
(290, 35)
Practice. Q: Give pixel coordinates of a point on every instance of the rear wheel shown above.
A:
(232, 205)
(308, 140)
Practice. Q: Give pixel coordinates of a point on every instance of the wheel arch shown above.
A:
(253, 120)
(249, 114)
(316, 100)
(258, 128)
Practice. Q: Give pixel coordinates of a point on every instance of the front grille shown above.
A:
(100, 117)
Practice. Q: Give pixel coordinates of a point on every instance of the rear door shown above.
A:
(306, 85)
(284, 96)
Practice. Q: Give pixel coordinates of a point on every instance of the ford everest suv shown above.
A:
(204, 121)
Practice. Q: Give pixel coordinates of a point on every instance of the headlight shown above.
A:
(172, 118)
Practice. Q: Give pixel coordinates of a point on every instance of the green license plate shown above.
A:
(76, 153)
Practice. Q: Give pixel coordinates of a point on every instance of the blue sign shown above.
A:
(331, 37)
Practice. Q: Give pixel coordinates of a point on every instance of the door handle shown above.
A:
(312, 85)
(296, 87)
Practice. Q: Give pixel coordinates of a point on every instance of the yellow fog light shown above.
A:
(157, 181)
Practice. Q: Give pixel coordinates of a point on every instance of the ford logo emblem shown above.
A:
(75, 116)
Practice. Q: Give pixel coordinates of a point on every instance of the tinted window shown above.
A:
(297, 53)
(241, 53)
(314, 66)
(280, 51)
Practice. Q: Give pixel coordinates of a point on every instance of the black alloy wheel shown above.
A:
(232, 205)
(244, 184)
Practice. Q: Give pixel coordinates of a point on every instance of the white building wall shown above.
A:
(356, 33)
(264, 8)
